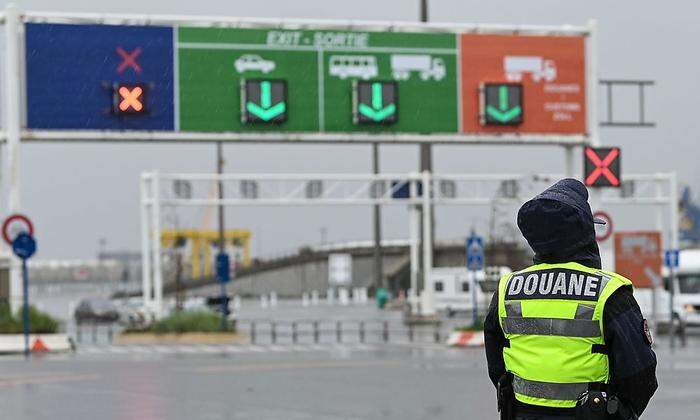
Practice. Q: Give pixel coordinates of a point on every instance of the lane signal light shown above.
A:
(263, 101)
(129, 99)
(602, 166)
(375, 102)
(501, 104)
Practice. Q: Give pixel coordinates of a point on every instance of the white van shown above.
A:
(687, 285)
(452, 287)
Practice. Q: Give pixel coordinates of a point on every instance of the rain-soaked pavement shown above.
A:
(285, 382)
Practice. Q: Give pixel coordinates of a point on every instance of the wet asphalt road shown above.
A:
(377, 381)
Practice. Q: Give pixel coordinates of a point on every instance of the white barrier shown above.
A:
(305, 299)
(236, 303)
(330, 296)
(263, 301)
(273, 299)
(466, 339)
(343, 296)
(14, 343)
(314, 297)
(363, 295)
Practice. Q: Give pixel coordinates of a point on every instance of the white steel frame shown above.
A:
(658, 190)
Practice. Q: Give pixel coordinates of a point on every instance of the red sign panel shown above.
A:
(551, 69)
(637, 255)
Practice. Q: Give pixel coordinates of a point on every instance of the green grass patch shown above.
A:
(187, 322)
(468, 328)
(39, 322)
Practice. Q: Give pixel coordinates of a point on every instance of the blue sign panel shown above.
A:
(671, 258)
(99, 77)
(24, 245)
(475, 253)
(402, 189)
(223, 268)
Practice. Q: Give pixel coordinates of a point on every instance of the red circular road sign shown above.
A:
(15, 224)
(604, 231)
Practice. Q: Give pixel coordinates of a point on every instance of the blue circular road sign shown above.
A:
(24, 245)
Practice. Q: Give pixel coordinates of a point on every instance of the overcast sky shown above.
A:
(78, 194)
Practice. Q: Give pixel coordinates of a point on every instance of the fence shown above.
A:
(267, 331)
(338, 331)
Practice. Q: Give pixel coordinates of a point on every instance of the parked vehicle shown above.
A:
(452, 287)
(688, 285)
(96, 311)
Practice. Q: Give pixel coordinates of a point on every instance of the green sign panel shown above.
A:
(376, 102)
(328, 76)
(503, 103)
(263, 101)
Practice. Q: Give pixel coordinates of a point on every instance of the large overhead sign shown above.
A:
(290, 82)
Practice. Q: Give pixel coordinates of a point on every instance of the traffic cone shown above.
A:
(39, 346)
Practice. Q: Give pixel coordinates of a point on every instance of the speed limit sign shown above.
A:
(14, 225)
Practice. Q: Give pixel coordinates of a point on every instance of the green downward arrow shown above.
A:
(377, 111)
(503, 114)
(266, 111)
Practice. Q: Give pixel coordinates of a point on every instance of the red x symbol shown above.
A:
(602, 166)
(131, 98)
(129, 60)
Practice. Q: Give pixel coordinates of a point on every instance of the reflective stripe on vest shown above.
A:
(548, 390)
(551, 326)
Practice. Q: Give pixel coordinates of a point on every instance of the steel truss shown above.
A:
(411, 189)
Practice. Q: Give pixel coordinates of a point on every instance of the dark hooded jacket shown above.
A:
(558, 225)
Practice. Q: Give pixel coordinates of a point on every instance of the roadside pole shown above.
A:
(25, 306)
(12, 130)
(17, 231)
(475, 262)
(671, 257)
(426, 165)
(378, 263)
(223, 264)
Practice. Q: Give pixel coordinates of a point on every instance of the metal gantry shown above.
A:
(411, 189)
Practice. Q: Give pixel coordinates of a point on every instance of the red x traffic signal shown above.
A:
(601, 166)
(129, 99)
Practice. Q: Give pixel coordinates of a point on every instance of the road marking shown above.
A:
(290, 366)
(233, 348)
(45, 380)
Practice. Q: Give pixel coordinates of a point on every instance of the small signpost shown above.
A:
(475, 262)
(671, 260)
(17, 230)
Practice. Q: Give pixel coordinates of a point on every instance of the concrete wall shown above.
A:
(290, 277)
(294, 279)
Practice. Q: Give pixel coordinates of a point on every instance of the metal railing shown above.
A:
(96, 332)
(338, 331)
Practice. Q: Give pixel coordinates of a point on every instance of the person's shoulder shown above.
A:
(618, 276)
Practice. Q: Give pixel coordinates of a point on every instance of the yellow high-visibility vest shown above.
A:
(552, 317)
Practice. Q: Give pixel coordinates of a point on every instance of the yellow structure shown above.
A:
(202, 242)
